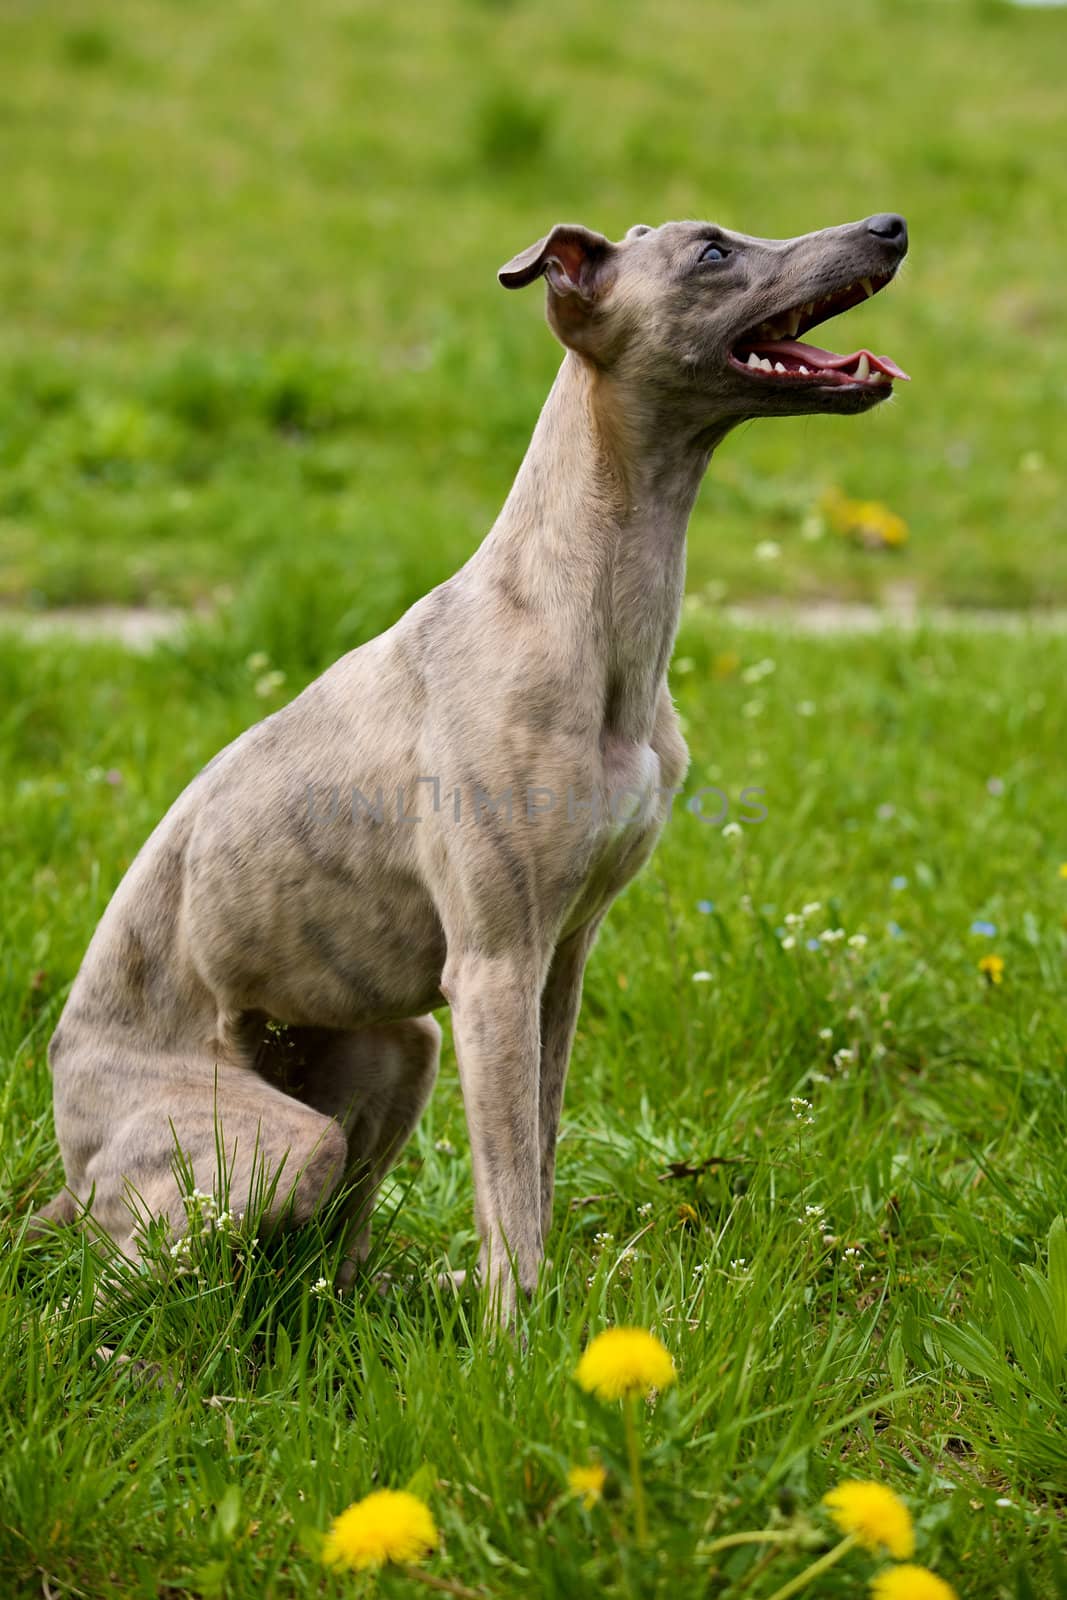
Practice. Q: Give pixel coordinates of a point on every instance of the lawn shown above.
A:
(254, 362)
(859, 1285)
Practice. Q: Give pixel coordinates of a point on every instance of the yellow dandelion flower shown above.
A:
(1063, 869)
(875, 524)
(878, 1517)
(911, 1583)
(625, 1361)
(867, 521)
(725, 664)
(992, 968)
(587, 1483)
(389, 1525)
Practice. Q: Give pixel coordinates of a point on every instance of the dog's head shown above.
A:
(709, 321)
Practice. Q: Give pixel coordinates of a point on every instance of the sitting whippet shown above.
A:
(436, 819)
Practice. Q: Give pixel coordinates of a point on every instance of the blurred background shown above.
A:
(254, 358)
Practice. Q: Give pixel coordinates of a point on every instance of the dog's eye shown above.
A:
(713, 252)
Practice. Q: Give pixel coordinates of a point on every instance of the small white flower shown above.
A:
(258, 661)
(814, 1210)
(802, 1110)
(602, 1240)
(739, 1263)
(701, 977)
(826, 1034)
(858, 941)
(844, 1057)
(793, 919)
(645, 1210)
(810, 909)
(768, 550)
(789, 943)
(268, 683)
(444, 1147)
(732, 830)
(320, 1287)
(806, 708)
(758, 670)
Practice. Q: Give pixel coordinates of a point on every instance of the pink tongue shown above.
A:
(825, 360)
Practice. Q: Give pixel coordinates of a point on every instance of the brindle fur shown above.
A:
(541, 663)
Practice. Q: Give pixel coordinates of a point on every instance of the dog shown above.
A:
(436, 820)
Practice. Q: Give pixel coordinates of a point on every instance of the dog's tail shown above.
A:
(59, 1212)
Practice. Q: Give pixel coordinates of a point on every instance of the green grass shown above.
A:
(248, 277)
(934, 1358)
(253, 358)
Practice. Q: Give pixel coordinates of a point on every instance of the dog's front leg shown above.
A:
(495, 1003)
(560, 1004)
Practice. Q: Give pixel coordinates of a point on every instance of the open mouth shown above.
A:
(773, 353)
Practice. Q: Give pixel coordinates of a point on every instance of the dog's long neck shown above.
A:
(590, 542)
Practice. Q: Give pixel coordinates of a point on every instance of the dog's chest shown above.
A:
(614, 827)
(631, 776)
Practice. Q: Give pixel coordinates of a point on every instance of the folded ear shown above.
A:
(573, 259)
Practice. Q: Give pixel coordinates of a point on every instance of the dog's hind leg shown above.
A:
(58, 1212)
(375, 1082)
(226, 1131)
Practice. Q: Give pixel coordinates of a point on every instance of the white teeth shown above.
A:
(778, 367)
(868, 287)
(877, 377)
(863, 366)
(765, 365)
(753, 360)
(804, 370)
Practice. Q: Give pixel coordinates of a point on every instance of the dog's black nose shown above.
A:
(888, 226)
